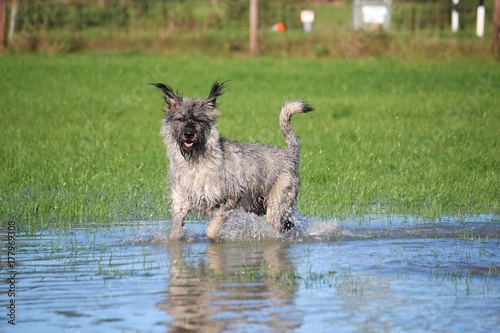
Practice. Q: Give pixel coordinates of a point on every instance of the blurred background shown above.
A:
(414, 29)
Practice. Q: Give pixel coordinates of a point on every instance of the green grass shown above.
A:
(79, 133)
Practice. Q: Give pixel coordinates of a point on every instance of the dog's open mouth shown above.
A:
(188, 144)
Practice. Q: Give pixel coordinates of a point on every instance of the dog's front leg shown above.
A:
(218, 219)
(177, 222)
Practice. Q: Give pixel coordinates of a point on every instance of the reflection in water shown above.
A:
(231, 286)
(377, 276)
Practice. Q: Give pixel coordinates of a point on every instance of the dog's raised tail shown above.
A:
(287, 111)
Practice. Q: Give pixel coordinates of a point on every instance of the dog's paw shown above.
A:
(288, 226)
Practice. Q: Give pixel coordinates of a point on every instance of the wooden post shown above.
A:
(3, 23)
(13, 17)
(496, 32)
(254, 26)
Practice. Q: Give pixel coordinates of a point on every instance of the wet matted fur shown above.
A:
(214, 175)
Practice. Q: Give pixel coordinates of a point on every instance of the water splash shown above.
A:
(310, 229)
(243, 226)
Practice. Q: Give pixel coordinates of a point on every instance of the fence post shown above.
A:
(454, 16)
(496, 31)
(3, 23)
(254, 26)
(480, 19)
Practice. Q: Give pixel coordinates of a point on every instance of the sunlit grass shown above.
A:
(80, 136)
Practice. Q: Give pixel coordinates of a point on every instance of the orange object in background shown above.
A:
(279, 27)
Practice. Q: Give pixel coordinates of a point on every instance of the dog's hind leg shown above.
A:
(280, 203)
(279, 216)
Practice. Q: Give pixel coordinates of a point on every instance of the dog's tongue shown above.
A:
(188, 143)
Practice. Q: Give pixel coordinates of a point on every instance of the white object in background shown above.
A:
(454, 16)
(373, 14)
(480, 20)
(307, 18)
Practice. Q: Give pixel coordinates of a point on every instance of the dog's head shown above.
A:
(191, 120)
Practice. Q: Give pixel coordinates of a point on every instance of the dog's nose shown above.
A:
(188, 134)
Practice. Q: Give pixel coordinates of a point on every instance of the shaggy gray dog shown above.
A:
(213, 175)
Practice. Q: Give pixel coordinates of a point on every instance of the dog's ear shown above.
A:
(216, 91)
(173, 100)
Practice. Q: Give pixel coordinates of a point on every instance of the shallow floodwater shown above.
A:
(378, 275)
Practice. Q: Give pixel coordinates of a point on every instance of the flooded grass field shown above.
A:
(377, 275)
(80, 151)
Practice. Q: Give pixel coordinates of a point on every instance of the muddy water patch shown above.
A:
(396, 274)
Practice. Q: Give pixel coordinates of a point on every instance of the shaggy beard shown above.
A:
(193, 152)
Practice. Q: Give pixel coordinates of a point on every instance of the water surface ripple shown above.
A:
(377, 275)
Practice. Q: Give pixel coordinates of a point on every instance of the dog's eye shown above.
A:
(178, 119)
